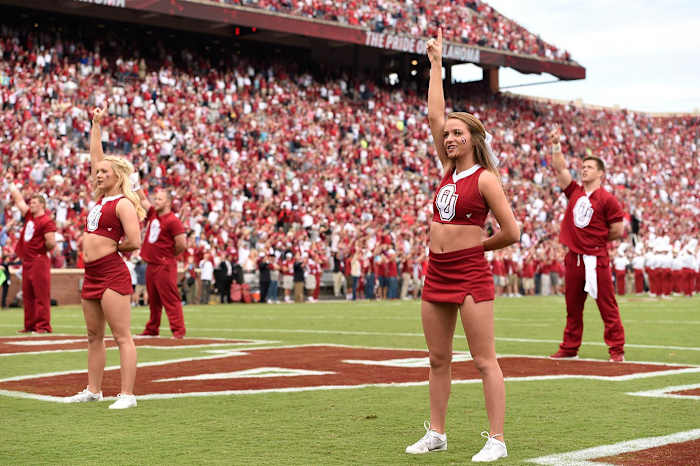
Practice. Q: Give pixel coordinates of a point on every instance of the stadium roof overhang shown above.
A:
(222, 19)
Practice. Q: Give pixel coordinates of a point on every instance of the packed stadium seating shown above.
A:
(273, 154)
(471, 22)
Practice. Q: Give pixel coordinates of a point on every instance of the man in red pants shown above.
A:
(164, 241)
(593, 217)
(37, 239)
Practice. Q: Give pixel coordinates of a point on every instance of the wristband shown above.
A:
(556, 148)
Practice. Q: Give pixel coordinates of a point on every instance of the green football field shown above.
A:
(371, 424)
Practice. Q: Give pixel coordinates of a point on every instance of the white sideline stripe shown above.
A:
(212, 345)
(45, 342)
(409, 334)
(581, 457)
(666, 392)
(32, 396)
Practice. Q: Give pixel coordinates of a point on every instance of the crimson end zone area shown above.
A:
(232, 370)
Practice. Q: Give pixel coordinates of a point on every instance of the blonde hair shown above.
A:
(478, 136)
(122, 168)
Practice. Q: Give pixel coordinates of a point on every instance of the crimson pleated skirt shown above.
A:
(451, 276)
(110, 272)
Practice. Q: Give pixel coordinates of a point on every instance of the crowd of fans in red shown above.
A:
(471, 22)
(268, 156)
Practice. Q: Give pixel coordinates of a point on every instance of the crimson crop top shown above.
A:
(458, 200)
(102, 219)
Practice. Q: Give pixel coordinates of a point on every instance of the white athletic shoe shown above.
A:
(493, 450)
(431, 441)
(83, 397)
(124, 402)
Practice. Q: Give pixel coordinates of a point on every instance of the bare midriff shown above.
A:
(96, 247)
(445, 237)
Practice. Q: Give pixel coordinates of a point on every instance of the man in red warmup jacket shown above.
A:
(164, 241)
(38, 238)
(593, 217)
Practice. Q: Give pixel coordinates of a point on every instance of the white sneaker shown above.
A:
(431, 441)
(124, 402)
(493, 450)
(83, 397)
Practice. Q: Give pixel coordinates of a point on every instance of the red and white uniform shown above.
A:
(36, 272)
(458, 200)
(585, 232)
(454, 275)
(110, 271)
(158, 251)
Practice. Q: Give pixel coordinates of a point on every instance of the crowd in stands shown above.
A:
(471, 22)
(277, 159)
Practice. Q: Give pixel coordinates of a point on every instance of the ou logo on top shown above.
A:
(583, 212)
(446, 200)
(154, 231)
(29, 231)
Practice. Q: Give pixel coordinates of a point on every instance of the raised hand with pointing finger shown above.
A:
(99, 113)
(434, 48)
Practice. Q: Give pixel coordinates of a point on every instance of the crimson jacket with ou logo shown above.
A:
(587, 220)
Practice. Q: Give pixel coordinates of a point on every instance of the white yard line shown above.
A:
(667, 392)
(581, 457)
(405, 334)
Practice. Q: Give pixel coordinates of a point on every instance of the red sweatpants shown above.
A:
(614, 334)
(688, 281)
(638, 281)
(36, 294)
(317, 290)
(666, 279)
(161, 283)
(620, 281)
(677, 281)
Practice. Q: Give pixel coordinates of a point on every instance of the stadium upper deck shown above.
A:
(365, 34)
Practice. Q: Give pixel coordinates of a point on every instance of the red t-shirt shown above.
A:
(499, 267)
(159, 242)
(587, 220)
(31, 243)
